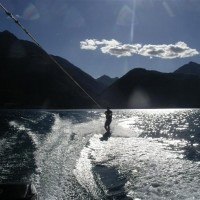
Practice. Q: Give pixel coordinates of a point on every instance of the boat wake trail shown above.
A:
(96, 172)
(56, 158)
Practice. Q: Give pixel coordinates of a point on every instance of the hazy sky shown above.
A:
(111, 36)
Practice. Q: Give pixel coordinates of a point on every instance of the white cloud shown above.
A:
(121, 50)
(178, 50)
(88, 44)
(164, 51)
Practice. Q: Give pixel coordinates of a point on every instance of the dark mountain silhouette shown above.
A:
(190, 68)
(106, 80)
(29, 78)
(140, 88)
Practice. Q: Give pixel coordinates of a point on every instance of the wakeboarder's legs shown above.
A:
(107, 125)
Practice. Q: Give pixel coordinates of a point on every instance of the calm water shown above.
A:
(150, 154)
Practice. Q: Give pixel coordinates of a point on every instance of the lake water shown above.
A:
(150, 154)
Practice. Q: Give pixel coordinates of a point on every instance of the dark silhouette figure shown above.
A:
(108, 114)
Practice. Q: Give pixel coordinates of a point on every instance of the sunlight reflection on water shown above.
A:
(150, 154)
(148, 147)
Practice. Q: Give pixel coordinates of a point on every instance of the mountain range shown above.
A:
(140, 88)
(30, 79)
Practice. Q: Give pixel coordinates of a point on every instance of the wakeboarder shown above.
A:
(108, 121)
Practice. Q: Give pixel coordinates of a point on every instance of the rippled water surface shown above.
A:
(149, 154)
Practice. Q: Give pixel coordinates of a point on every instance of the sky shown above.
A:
(111, 36)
